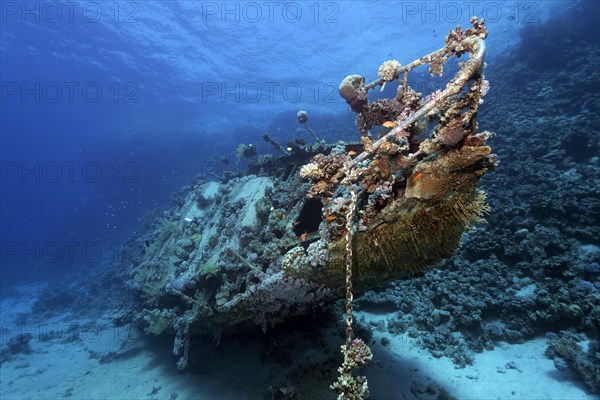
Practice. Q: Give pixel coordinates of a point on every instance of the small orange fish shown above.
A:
(418, 176)
(303, 236)
(389, 124)
(331, 218)
(352, 153)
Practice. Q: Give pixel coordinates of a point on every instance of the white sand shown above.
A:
(62, 368)
(402, 362)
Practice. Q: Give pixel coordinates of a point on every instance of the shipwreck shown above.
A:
(312, 224)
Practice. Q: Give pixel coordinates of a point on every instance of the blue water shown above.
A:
(108, 108)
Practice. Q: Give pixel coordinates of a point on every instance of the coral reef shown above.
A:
(565, 350)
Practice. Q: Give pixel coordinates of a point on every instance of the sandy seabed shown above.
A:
(66, 361)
